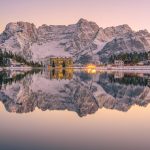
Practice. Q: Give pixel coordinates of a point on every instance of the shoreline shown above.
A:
(15, 68)
(105, 68)
(124, 68)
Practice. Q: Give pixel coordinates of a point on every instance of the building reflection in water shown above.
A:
(118, 75)
(61, 74)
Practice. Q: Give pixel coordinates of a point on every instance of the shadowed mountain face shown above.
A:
(84, 93)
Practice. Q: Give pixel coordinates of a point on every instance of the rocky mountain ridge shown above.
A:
(85, 41)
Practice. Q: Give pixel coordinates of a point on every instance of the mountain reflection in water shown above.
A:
(83, 92)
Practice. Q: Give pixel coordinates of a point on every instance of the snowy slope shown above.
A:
(50, 49)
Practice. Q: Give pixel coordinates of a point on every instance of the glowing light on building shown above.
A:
(91, 66)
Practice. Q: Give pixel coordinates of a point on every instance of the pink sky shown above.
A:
(135, 13)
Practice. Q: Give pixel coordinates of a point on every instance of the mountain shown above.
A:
(85, 41)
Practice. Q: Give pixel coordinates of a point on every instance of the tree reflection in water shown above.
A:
(8, 77)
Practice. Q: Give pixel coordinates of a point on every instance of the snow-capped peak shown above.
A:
(81, 40)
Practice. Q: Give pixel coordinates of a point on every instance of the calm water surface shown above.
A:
(74, 110)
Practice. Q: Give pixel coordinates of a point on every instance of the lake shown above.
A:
(74, 110)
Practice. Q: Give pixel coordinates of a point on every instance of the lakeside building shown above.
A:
(14, 63)
(141, 63)
(119, 63)
(60, 62)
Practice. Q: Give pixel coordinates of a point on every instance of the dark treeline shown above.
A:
(129, 58)
(129, 80)
(6, 56)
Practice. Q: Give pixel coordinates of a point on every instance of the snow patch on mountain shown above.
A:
(52, 49)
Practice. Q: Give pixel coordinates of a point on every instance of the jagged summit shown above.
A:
(121, 27)
(82, 20)
(85, 41)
